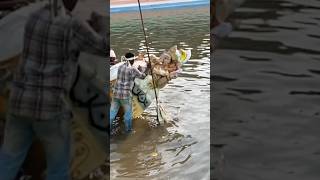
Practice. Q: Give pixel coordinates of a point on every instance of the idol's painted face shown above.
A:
(165, 58)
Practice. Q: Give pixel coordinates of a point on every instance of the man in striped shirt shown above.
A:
(52, 43)
(122, 92)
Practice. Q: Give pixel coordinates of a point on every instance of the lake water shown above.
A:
(180, 149)
(266, 86)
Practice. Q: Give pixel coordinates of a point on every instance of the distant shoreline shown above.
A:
(132, 5)
(122, 2)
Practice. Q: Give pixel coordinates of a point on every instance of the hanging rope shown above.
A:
(55, 7)
(146, 42)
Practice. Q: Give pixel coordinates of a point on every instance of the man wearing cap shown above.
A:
(37, 107)
(122, 95)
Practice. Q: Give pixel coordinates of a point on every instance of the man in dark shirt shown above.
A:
(122, 92)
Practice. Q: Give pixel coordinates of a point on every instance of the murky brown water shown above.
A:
(180, 149)
(266, 103)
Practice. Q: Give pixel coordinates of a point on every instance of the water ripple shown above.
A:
(273, 53)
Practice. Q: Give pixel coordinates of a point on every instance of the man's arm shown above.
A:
(86, 39)
(138, 74)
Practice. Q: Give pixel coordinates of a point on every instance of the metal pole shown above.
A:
(146, 42)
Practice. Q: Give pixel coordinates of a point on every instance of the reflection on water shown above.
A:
(179, 149)
(267, 92)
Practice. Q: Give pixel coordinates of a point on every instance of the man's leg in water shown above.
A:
(115, 105)
(127, 105)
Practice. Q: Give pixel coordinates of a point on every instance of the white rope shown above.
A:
(123, 58)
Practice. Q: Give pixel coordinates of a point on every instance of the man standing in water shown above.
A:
(122, 95)
(52, 41)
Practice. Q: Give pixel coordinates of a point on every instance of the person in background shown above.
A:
(141, 62)
(141, 56)
(112, 57)
(122, 95)
(37, 105)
